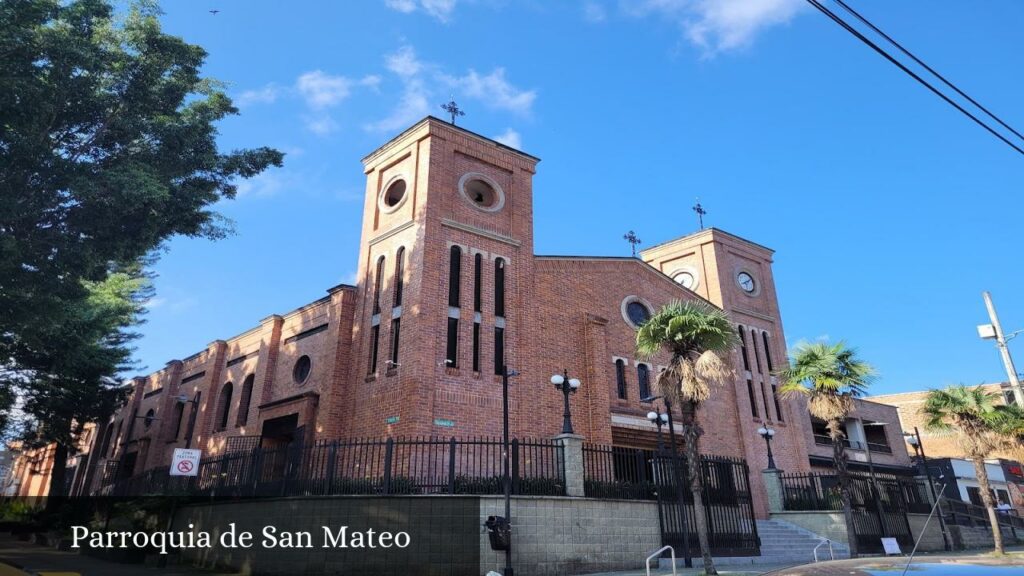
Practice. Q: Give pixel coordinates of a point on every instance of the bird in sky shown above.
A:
(214, 12)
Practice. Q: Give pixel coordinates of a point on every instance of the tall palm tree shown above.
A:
(830, 376)
(981, 426)
(698, 335)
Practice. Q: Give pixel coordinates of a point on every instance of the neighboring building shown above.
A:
(873, 438)
(938, 444)
(32, 467)
(961, 481)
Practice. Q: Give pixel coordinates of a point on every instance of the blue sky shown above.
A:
(888, 211)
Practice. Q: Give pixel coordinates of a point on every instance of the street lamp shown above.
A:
(767, 432)
(567, 386)
(677, 474)
(659, 419)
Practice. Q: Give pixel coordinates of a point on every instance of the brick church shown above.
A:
(450, 290)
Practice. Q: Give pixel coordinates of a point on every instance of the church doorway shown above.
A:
(280, 432)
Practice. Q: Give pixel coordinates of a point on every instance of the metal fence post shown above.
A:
(451, 466)
(389, 452)
(515, 466)
(332, 462)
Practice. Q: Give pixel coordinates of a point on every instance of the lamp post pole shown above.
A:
(506, 476)
(659, 419)
(567, 386)
(767, 432)
(680, 488)
(915, 441)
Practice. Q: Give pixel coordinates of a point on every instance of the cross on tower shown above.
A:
(700, 213)
(633, 240)
(453, 109)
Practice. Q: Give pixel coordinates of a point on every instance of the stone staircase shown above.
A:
(785, 543)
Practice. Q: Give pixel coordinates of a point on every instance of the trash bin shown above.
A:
(499, 531)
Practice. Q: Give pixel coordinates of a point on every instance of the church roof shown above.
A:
(446, 124)
(708, 230)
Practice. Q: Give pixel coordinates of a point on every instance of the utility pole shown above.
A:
(995, 330)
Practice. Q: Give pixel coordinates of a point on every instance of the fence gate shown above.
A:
(728, 506)
(879, 513)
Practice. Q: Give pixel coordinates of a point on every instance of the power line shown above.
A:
(926, 67)
(911, 73)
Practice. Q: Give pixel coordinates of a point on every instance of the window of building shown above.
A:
(394, 193)
(499, 350)
(476, 346)
(778, 406)
(767, 352)
(875, 436)
(374, 346)
(482, 192)
(301, 370)
(106, 439)
(499, 287)
(643, 377)
(148, 419)
(399, 275)
(117, 438)
(454, 274)
(1009, 399)
(179, 415)
(378, 278)
(224, 406)
(1003, 497)
(477, 263)
(974, 494)
(635, 311)
(245, 400)
(753, 398)
(743, 347)
(757, 355)
(396, 328)
(452, 349)
(620, 379)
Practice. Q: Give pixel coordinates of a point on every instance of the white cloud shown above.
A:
(403, 6)
(439, 9)
(372, 81)
(320, 124)
(322, 90)
(494, 90)
(413, 106)
(266, 95)
(263, 185)
(404, 62)
(721, 25)
(594, 12)
(511, 138)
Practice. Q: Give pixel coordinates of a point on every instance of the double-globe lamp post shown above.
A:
(767, 432)
(567, 386)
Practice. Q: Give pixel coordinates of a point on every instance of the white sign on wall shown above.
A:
(891, 546)
(185, 462)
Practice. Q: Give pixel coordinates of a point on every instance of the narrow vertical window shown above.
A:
(767, 352)
(452, 352)
(643, 376)
(396, 329)
(179, 415)
(476, 346)
(378, 277)
(499, 350)
(245, 400)
(454, 274)
(743, 348)
(757, 355)
(778, 406)
(477, 263)
(499, 287)
(753, 398)
(620, 379)
(225, 406)
(399, 275)
(374, 343)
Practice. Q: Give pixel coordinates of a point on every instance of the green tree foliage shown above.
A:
(830, 376)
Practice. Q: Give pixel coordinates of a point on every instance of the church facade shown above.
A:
(450, 291)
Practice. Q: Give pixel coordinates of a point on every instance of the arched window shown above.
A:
(224, 406)
(477, 263)
(643, 376)
(620, 378)
(245, 400)
(116, 437)
(767, 352)
(454, 274)
(757, 355)
(499, 287)
(378, 277)
(399, 275)
(743, 347)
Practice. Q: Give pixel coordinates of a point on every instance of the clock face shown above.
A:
(746, 281)
(686, 279)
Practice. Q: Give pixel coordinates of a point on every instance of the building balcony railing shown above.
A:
(823, 440)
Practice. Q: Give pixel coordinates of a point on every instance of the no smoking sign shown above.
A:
(185, 462)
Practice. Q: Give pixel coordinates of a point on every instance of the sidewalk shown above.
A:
(34, 558)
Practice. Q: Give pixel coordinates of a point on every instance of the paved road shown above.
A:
(35, 558)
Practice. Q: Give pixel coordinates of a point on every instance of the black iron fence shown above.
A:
(390, 466)
(821, 492)
(967, 514)
(636, 474)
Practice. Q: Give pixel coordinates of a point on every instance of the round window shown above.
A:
(637, 313)
(686, 279)
(301, 370)
(393, 195)
(481, 191)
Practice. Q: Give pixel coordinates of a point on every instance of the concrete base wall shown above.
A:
(931, 539)
(966, 537)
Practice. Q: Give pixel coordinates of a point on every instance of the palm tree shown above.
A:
(830, 376)
(697, 335)
(981, 426)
